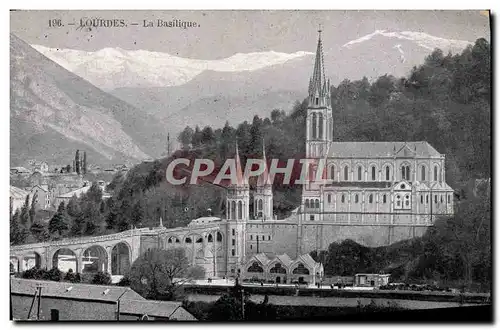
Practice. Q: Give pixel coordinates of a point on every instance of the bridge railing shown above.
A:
(80, 240)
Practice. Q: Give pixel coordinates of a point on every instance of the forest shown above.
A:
(445, 101)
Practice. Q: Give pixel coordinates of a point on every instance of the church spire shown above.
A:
(264, 179)
(318, 80)
(241, 180)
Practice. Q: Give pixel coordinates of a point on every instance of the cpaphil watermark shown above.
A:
(311, 170)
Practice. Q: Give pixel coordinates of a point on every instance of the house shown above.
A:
(43, 196)
(67, 301)
(371, 280)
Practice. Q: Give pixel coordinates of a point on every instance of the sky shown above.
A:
(223, 33)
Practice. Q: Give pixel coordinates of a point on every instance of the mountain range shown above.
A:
(54, 112)
(120, 103)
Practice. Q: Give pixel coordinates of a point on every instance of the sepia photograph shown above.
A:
(251, 166)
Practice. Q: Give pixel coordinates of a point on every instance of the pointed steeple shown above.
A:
(264, 179)
(318, 77)
(241, 180)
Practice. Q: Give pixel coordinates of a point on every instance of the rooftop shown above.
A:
(73, 290)
(419, 149)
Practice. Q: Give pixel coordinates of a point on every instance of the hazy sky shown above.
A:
(223, 33)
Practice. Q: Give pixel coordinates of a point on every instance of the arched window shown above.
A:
(346, 173)
(255, 268)
(435, 173)
(384, 198)
(320, 124)
(356, 198)
(448, 198)
(421, 199)
(170, 240)
(441, 198)
(316, 204)
(329, 198)
(387, 173)
(278, 269)
(314, 135)
(435, 199)
(210, 238)
(188, 240)
(307, 203)
(422, 176)
(360, 173)
(233, 209)
(260, 204)
(251, 237)
(370, 198)
(374, 176)
(405, 172)
(427, 199)
(240, 210)
(343, 198)
(301, 269)
(332, 172)
(199, 240)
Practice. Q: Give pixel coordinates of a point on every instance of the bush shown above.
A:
(53, 275)
(101, 278)
(124, 281)
(34, 274)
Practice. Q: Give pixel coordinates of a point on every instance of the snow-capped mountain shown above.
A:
(424, 40)
(112, 68)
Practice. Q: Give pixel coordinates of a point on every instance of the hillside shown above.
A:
(53, 112)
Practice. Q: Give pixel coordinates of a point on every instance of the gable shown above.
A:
(405, 152)
(403, 185)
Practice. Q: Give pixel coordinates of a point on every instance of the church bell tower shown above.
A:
(319, 131)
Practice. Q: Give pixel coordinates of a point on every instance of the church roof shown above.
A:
(309, 260)
(285, 259)
(440, 186)
(419, 149)
(262, 258)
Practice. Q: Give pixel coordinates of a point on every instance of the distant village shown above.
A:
(51, 184)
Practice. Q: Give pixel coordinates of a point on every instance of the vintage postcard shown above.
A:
(250, 165)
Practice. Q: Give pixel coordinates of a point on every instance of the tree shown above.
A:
(137, 214)
(24, 216)
(32, 211)
(17, 233)
(57, 223)
(39, 231)
(101, 278)
(161, 273)
(185, 137)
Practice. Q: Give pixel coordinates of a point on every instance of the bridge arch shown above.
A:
(65, 259)
(94, 259)
(30, 260)
(120, 258)
(14, 264)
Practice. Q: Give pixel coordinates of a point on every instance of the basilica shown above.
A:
(374, 193)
